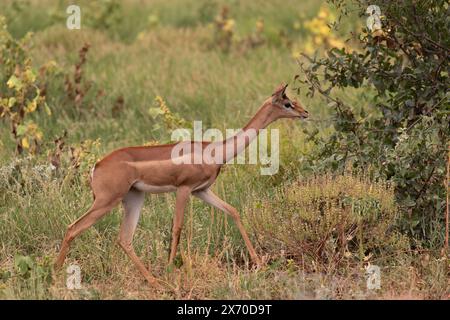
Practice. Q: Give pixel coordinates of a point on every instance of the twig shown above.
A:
(315, 85)
(420, 118)
(425, 186)
(421, 37)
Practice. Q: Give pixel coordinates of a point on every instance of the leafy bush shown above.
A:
(403, 133)
(171, 120)
(22, 90)
(324, 221)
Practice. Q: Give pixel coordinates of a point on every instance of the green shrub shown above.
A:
(22, 90)
(323, 222)
(402, 133)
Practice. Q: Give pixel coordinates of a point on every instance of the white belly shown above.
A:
(141, 186)
(202, 186)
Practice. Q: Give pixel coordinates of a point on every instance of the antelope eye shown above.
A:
(288, 105)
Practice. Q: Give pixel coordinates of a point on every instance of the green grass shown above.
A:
(176, 61)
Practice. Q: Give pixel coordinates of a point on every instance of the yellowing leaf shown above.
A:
(323, 13)
(11, 102)
(38, 135)
(229, 25)
(25, 143)
(324, 30)
(14, 82)
(154, 112)
(30, 76)
(31, 107)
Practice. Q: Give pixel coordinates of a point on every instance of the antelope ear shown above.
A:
(279, 92)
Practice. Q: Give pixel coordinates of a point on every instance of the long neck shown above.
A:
(261, 119)
(234, 145)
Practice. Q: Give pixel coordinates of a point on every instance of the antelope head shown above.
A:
(283, 107)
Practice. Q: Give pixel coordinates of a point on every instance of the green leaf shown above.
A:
(47, 109)
(5, 275)
(23, 264)
(14, 82)
(155, 112)
(11, 102)
(21, 130)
